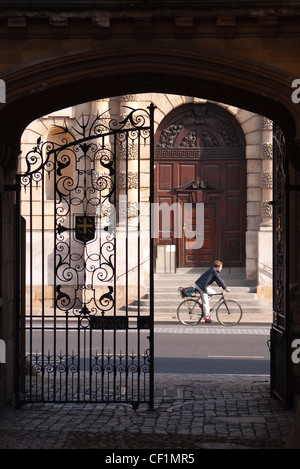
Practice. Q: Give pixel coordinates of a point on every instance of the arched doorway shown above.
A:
(200, 158)
(85, 76)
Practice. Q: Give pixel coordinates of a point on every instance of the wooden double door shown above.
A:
(221, 186)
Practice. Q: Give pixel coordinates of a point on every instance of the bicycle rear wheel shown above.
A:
(189, 312)
(229, 313)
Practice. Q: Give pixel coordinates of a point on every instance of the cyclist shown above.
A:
(203, 282)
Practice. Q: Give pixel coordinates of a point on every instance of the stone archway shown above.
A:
(32, 92)
(38, 87)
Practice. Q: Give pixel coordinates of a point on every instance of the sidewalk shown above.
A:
(261, 318)
(190, 412)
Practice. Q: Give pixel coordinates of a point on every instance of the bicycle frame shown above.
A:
(217, 303)
(228, 316)
(221, 300)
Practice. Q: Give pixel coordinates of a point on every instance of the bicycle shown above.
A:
(228, 312)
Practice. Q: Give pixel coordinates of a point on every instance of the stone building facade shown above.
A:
(257, 131)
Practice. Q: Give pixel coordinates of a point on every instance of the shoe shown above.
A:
(207, 321)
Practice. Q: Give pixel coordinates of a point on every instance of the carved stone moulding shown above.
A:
(129, 209)
(129, 180)
(267, 151)
(266, 124)
(266, 208)
(130, 152)
(267, 180)
(199, 153)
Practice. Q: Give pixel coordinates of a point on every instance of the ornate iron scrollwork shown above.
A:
(279, 208)
(75, 174)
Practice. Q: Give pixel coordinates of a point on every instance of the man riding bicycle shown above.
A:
(203, 282)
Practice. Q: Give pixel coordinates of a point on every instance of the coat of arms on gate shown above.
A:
(85, 228)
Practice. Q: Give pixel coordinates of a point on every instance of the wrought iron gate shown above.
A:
(279, 330)
(85, 329)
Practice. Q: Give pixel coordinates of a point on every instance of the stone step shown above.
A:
(167, 297)
(173, 288)
(166, 306)
(172, 310)
(176, 299)
(192, 275)
(174, 296)
(195, 275)
(187, 282)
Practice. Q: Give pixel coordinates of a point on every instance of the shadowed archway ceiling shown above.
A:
(72, 52)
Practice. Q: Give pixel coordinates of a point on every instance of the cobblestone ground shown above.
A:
(190, 412)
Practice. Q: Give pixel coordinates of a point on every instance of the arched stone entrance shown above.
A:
(233, 74)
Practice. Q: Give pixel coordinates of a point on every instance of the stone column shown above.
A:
(101, 174)
(128, 164)
(128, 210)
(267, 172)
(265, 234)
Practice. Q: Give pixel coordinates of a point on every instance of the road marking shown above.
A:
(213, 330)
(256, 357)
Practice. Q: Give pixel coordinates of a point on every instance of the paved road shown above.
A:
(215, 350)
(181, 349)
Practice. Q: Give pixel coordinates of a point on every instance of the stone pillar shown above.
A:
(127, 197)
(128, 174)
(251, 124)
(101, 174)
(265, 234)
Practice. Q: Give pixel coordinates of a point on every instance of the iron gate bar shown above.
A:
(56, 376)
(279, 331)
(151, 338)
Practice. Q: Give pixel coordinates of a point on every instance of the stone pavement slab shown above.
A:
(190, 412)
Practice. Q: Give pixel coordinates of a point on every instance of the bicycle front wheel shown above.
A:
(189, 312)
(229, 313)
